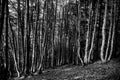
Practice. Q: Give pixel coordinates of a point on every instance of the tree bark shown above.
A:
(113, 32)
(93, 34)
(78, 41)
(87, 36)
(110, 32)
(5, 22)
(2, 17)
(26, 19)
(103, 33)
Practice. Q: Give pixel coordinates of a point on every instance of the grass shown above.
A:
(95, 71)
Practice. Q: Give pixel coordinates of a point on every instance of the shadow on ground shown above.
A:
(95, 71)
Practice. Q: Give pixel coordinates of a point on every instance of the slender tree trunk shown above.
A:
(2, 17)
(110, 32)
(103, 33)
(18, 35)
(113, 32)
(20, 41)
(42, 46)
(25, 35)
(13, 51)
(93, 34)
(87, 36)
(78, 41)
(5, 22)
(34, 35)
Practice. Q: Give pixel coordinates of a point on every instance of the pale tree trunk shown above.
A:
(78, 40)
(113, 32)
(110, 32)
(87, 36)
(15, 63)
(33, 49)
(103, 33)
(33, 33)
(13, 51)
(35, 37)
(60, 62)
(93, 34)
(17, 47)
(18, 35)
(41, 46)
(55, 33)
(20, 41)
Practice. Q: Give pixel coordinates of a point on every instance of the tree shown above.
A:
(87, 36)
(90, 54)
(113, 32)
(26, 27)
(40, 34)
(103, 32)
(78, 50)
(2, 17)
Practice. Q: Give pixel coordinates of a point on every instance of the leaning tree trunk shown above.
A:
(78, 40)
(93, 34)
(88, 36)
(103, 33)
(110, 32)
(113, 33)
(12, 42)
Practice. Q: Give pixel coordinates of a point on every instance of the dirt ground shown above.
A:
(95, 71)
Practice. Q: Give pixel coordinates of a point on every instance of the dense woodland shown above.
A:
(39, 34)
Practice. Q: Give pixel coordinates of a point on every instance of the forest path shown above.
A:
(95, 71)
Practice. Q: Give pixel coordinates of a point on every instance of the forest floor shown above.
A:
(95, 71)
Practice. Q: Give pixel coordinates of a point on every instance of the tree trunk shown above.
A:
(103, 33)
(110, 32)
(93, 34)
(78, 41)
(113, 32)
(6, 48)
(2, 17)
(14, 51)
(87, 36)
(26, 19)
